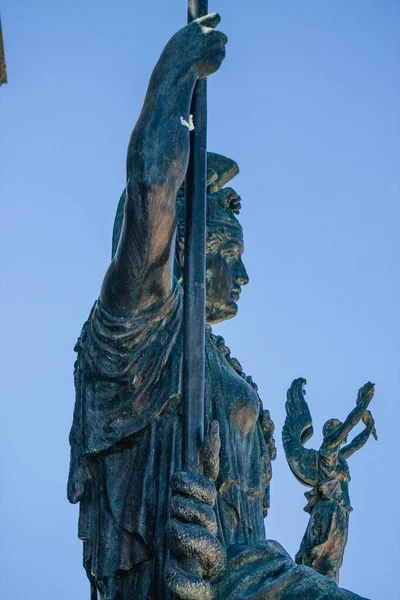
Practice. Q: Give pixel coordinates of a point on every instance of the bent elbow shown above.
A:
(154, 187)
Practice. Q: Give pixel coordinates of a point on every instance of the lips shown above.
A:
(235, 293)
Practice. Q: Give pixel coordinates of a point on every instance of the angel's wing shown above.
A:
(296, 431)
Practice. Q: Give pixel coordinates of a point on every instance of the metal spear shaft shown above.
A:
(195, 271)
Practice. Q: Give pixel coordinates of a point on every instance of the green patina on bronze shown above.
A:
(149, 531)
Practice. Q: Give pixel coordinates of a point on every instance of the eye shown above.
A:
(230, 252)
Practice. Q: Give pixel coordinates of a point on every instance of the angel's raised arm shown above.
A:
(356, 444)
(365, 395)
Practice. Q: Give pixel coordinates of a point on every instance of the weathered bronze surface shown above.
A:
(149, 530)
(327, 472)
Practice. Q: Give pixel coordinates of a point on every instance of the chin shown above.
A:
(217, 314)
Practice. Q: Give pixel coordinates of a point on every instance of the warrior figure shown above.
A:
(149, 531)
(327, 472)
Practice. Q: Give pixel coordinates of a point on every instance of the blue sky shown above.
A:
(307, 102)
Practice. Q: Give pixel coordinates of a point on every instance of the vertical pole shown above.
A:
(195, 271)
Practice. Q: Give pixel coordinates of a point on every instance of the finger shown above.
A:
(190, 510)
(192, 541)
(211, 446)
(210, 20)
(194, 484)
(210, 451)
(213, 434)
(186, 585)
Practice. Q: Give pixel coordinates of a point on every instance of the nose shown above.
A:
(241, 276)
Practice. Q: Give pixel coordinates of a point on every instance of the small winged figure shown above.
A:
(327, 472)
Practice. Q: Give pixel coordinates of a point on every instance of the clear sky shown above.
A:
(307, 102)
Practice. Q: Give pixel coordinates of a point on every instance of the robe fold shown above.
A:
(126, 443)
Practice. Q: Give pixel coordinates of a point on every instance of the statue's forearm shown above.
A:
(356, 414)
(157, 159)
(141, 272)
(357, 443)
(159, 146)
(354, 417)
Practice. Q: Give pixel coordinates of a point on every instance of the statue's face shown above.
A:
(225, 275)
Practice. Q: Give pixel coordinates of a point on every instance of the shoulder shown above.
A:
(112, 344)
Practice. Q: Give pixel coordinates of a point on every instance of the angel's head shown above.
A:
(330, 427)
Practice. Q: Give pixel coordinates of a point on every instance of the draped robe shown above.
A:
(126, 443)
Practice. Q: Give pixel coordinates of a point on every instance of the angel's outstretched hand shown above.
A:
(367, 389)
(369, 421)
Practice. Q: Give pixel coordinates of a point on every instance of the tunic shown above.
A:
(126, 443)
(326, 535)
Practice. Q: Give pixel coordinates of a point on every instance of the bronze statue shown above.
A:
(327, 472)
(150, 531)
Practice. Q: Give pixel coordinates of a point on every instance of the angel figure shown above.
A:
(327, 472)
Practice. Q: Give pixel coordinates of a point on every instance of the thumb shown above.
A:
(209, 453)
(210, 20)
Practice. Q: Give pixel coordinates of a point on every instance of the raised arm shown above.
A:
(141, 271)
(365, 395)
